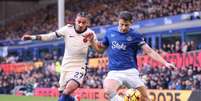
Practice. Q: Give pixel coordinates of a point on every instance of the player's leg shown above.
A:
(144, 94)
(68, 84)
(111, 85)
(71, 86)
(134, 81)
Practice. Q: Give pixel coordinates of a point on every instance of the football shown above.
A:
(132, 95)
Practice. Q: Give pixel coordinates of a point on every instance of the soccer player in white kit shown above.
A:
(76, 46)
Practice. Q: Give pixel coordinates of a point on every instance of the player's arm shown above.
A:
(150, 52)
(46, 37)
(98, 46)
(43, 37)
(101, 46)
(94, 43)
(154, 55)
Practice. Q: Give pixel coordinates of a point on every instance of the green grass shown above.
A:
(28, 98)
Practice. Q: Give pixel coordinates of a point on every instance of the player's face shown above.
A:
(81, 23)
(124, 25)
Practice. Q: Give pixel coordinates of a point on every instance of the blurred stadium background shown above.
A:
(31, 68)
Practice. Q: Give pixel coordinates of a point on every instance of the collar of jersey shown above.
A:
(130, 29)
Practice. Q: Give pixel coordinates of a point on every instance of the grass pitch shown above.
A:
(29, 98)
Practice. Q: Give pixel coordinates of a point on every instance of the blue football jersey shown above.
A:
(122, 48)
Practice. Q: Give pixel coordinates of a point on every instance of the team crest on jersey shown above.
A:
(129, 38)
(112, 35)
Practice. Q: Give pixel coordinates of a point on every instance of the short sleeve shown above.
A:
(140, 40)
(62, 31)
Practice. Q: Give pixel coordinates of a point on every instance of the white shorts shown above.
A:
(77, 76)
(129, 77)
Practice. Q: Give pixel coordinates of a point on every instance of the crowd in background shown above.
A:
(41, 21)
(106, 11)
(185, 78)
(45, 76)
(178, 47)
(102, 12)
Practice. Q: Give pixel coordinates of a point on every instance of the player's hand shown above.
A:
(169, 65)
(88, 37)
(27, 37)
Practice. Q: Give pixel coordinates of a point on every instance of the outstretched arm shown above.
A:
(43, 37)
(46, 37)
(154, 55)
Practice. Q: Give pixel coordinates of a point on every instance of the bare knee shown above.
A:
(110, 88)
(71, 86)
(109, 93)
(68, 91)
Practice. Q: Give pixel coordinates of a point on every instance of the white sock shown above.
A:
(117, 98)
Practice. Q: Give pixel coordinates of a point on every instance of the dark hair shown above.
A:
(83, 14)
(125, 15)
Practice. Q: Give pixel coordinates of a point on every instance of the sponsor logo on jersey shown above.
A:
(116, 45)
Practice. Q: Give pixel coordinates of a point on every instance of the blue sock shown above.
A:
(66, 98)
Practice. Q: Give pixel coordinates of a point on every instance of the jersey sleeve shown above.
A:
(62, 31)
(105, 40)
(49, 36)
(54, 35)
(140, 40)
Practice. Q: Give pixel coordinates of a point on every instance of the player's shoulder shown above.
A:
(136, 33)
(69, 25)
(112, 30)
(137, 36)
(89, 30)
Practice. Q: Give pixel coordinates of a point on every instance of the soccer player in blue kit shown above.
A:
(122, 44)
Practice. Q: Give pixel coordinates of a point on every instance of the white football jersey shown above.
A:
(75, 49)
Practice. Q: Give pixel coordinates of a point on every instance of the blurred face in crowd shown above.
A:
(81, 23)
(124, 25)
